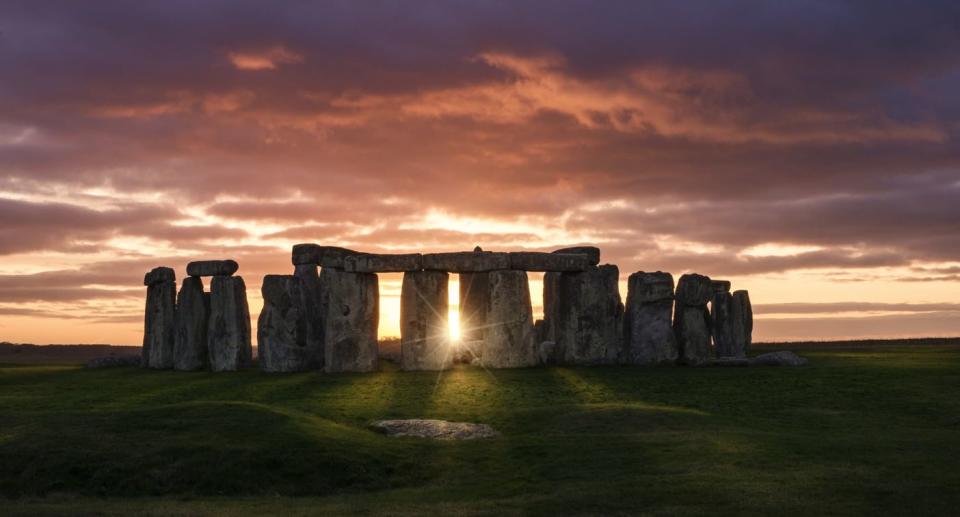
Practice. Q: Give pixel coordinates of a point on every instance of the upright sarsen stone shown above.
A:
(508, 339)
(590, 317)
(648, 329)
(285, 342)
(228, 332)
(193, 309)
(424, 331)
(551, 306)
(691, 319)
(159, 324)
(741, 322)
(721, 323)
(351, 320)
(474, 302)
(315, 311)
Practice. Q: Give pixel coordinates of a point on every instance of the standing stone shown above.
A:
(691, 319)
(159, 324)
(424, 330)
(285, 342)
(551, 306)
(721, 324)
(590, 317)
(351, 321)
(315, 311)
(228, 334)
(741, 322)
(508, 339)
(474, 302)
(648, 331)
(193, 309)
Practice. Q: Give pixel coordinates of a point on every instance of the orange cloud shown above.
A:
(269, 59)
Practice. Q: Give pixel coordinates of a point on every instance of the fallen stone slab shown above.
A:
(592, 253)
(382, 263)
(434, 429)
(648, 333)
(466, 261)
(781, 358)
(159, 274)
(112, 361)
(557, 262)
(193, 311)
(323, 256)
(212, 268)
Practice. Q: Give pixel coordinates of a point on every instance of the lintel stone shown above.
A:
(212, 268)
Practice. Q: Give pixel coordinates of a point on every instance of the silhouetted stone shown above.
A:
(474, 302)
(382, 263)
(508, 340)
(159, 326)
(741, 322)
(351, 321)
(466, 261)
(536, 261)
(691, 319)
(648, 329)
(592, 253)
(228, 332)
(324, 256)
(590, 317)
(722, 325)
(285, 342)
(424, 330)
(782, 358)
(720, 286)
(212, 268)
(551, 306)
(193, 310)
(159, 274)
(316, 310)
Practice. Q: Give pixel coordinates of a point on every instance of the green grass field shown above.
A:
(864, 430)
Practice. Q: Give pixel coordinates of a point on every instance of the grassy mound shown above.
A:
(861, 430)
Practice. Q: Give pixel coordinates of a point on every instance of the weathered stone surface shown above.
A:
(592, 253)
(285, 340)
(159, 274)
(741, 322)
(782, 358)
(212, 268)
(474, 302)
(434, 429)
(722, 325)
(590, 324)
(159, 322)
(466, 261)
(424, 330)
(228, 332)
(382, 263)
(691, 324)
(316, 310)
(536, 261)
(193, 310)
(112, 361)
(324, 256)
(694, 290)
(551, 306)
(720, 286)
(547, 352)
(508, 339)
(351, 321)
(648, 330)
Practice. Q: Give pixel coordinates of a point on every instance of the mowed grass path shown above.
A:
(859, 431)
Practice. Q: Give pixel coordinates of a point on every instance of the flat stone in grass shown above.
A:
(434, 429)
(781, 358)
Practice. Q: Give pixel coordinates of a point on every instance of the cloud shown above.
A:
(268, 59)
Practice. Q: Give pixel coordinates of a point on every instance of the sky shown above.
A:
(808, 151)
